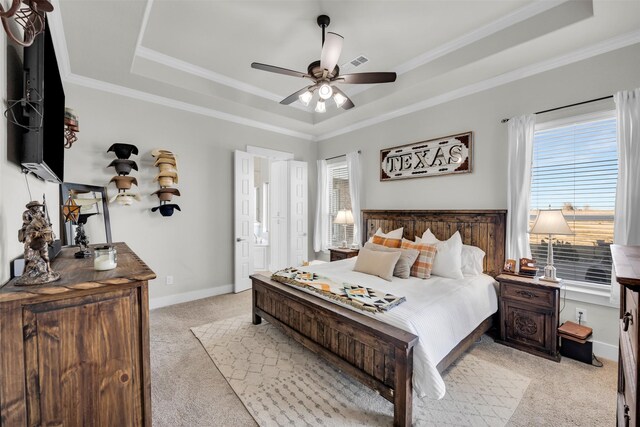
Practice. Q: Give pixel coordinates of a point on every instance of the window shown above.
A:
(339, 198)
(575, 168)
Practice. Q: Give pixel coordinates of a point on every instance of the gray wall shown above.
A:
(486, 186)
(194, 246)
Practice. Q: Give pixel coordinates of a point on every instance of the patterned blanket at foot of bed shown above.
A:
(361, 297)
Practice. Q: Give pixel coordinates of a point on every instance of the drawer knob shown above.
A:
(627, 418)
(527, 294)
(626, 320)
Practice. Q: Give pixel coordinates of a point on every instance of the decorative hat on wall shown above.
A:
(123, 150)
(167, 178)
(124, 199)
(166, 194)
(123, 167)
(166, 209)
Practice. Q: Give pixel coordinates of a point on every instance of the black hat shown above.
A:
(123, 151)
(166, 210)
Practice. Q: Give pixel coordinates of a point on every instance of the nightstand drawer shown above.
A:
(529, 294)
(337, 254)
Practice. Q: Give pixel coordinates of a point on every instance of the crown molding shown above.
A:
(195, 70)
(478, 34)
(180, 105)
(605, 46)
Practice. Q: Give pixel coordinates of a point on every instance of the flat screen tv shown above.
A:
(43, 147)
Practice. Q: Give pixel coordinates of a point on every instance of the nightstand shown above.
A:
(336, 254)
(529, 313)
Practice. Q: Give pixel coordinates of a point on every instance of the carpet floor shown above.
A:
(188, 389)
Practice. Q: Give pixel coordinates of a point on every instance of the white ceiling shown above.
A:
(196, 54)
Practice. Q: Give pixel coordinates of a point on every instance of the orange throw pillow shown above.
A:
(422, 267)
(385, 241)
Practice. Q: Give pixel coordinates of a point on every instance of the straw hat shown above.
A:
(158, 152)
(124, 182)
(125, 199)
(166, 178)
(165, 160)
(166, 167)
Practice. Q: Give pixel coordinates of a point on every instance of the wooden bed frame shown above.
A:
(375, 353)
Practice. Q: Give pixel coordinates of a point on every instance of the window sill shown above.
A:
(592, 295)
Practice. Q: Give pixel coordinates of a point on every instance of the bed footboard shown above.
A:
(375, 353)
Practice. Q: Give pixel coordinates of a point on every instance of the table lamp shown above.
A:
(344, 217)
(550, 222)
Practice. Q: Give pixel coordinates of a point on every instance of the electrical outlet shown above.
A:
(169, 280)
(580, 318)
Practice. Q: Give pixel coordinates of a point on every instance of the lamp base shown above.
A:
(343, 245)
(550, 275)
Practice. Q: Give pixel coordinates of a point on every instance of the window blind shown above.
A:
(339, 198)
(575, 168)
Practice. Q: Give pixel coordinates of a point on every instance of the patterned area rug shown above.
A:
(282, 383)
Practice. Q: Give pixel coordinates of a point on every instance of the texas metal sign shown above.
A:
(441, 156)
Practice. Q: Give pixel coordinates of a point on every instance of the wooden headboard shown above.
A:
(482, 228)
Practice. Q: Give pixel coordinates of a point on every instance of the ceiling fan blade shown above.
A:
(331, 50)
(294, 96)
(277, 70)
(348, 104)
(367, 78)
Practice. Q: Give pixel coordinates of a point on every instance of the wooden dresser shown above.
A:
(76, 352)
(626, 260)
(529, 313)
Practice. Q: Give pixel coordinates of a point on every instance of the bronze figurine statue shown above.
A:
(36, 234)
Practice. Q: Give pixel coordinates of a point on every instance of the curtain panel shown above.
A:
(520, 153)
(355, 190)
(626, 222)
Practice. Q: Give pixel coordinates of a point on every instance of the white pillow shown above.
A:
(472, 258)
(448, 260)
(394, 234)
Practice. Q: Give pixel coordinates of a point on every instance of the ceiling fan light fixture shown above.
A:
(339, 99)
(325, 91)
(305, 98)
(320, 106)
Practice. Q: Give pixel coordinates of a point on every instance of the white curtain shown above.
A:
(355, 190)
(626, 230)
(520, 134)
(320, 231)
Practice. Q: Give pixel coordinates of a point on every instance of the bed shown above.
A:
(379, 353)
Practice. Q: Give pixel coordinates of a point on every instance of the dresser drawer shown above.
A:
(630, 320)
(529, 294)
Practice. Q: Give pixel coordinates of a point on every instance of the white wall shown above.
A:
(486, 186)
(13, 190)
(195, 246)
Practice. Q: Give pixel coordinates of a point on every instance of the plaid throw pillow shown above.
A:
(386, 241)
(422, 267)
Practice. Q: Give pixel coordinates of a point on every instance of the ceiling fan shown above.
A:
(325, 74)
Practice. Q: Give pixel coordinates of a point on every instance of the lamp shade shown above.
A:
(344, 217)
(551, 221)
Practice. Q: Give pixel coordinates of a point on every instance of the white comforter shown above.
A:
(440, 311)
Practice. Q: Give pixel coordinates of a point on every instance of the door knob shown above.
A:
(238, 239)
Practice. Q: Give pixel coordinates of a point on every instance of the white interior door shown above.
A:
(245, 212)
(298, 213)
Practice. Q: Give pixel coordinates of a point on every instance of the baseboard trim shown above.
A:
(189, 296)
(606, 351)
